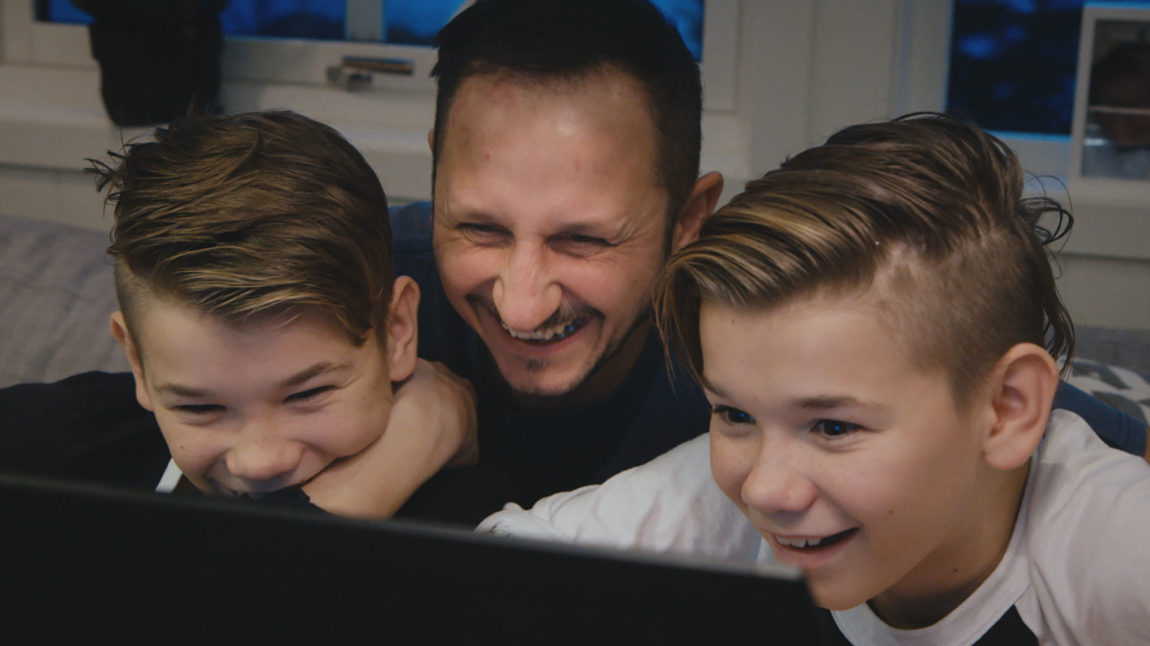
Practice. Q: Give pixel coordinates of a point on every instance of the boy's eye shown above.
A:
(308, 394)
(732, 415)
(199, 409)
(834, 428)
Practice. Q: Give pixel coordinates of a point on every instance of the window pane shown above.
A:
(1013, 63)
(318, 19)
(416, 22)
(60, 11)
(406, 22)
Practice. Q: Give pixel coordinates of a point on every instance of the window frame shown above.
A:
(930, 25)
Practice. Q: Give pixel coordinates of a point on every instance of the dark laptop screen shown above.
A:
(82, 562)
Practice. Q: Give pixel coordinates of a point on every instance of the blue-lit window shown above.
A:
(1013, 63)
(404, 22)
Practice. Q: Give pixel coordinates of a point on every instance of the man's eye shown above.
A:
(732, 415)
(834, 428)
(578, 243)
(588, 240)
(482, 232)
(311, 393)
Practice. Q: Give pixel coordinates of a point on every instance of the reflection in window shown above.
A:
(1117, 136)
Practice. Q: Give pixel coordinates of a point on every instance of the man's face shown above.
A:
(550, 226)
(253, 409)
(853, 463)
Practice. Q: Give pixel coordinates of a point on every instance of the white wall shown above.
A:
(804, 69)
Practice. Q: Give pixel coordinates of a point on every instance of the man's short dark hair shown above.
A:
(561, 40)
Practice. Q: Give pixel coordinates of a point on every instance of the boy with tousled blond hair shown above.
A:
(265, 328)
(875, 326)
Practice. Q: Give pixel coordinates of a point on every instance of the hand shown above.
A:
(436, 403)
(432, 425)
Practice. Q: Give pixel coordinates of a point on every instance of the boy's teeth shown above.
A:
(799, 542)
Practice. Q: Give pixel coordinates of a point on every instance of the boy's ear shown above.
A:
(120, 331)
(700, 204)
(431, 140)
(1022, 386)
(402, 328)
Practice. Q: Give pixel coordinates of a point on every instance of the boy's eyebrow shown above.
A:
(300, 377)
(711, 388)
(314, 371)
(183, 391)
(828, 401)
(817, 402)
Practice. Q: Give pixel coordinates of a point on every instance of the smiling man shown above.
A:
(566, 149)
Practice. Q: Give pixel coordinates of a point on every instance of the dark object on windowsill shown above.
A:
(158, 59)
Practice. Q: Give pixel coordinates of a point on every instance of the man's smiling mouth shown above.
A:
(550, 334)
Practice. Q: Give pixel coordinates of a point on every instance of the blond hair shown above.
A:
(926, 209)
(252, 216)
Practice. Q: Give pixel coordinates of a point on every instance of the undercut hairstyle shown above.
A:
(924, 213)
(252, 218)
(570, 41)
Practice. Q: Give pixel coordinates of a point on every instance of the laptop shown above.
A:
(82, 563)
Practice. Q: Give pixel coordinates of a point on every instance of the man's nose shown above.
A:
(777, 483)
(261, 455)
(526, 293)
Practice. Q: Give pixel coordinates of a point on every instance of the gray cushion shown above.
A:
(57, 293)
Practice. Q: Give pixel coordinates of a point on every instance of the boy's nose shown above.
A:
(525, 294)
(776, 484)
(262, 460)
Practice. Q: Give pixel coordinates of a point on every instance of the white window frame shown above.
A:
(926, 69)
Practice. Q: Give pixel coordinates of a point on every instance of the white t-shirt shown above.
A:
(1077, 569)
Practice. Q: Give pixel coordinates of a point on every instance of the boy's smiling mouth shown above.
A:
(809, 552)
(813, 542)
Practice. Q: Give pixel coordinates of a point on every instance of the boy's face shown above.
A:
(253, 409)
(854, 464)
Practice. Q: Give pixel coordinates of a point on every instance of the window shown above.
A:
(1013, 64)
(301, 41)
(400, 22)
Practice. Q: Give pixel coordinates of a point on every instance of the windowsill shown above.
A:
(1110, 220)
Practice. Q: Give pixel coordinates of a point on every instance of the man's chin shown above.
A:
(542, 391)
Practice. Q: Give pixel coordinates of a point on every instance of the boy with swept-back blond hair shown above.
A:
(263, 324)
(875, 326)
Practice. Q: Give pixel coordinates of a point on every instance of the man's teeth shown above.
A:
(556, 332)
(799, 542)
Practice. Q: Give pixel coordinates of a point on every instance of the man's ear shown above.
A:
(700, 204)
(431, 140)
(403, 328)
(120, 331)
(1022, 386)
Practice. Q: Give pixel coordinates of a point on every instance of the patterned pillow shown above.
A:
(1121, 388)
